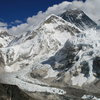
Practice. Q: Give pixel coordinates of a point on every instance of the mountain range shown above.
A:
(58, 60)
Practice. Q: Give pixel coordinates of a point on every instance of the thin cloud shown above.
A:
(3, 24)
(16, 22)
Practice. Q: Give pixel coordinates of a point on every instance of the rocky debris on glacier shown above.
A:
(90, 97)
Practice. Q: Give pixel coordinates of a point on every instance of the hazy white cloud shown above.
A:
(3, 29)
(3, 24)
(90, 7)
(35, 20)
(16, 22)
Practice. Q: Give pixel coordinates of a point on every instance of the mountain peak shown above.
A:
(52, 19)
(74, 11)
(78, 18)
(54, 23)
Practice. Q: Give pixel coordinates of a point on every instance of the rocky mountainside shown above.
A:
(79, 18)
(57, 61)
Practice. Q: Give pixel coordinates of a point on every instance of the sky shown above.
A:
(14, 12)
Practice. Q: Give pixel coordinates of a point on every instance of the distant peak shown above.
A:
(5, 33)
(74, 11)
(78, 18)
(52, 15)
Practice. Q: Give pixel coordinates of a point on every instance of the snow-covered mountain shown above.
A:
(49, 37)
(61, 54)
(5, 39)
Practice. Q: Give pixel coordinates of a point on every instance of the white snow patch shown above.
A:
(51, 73)
(79, 16)
(8, 69)
(79, 80)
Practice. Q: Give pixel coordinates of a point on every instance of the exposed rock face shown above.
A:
(10, 92)
(96, 66)
(79, 18)
(64, 58)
